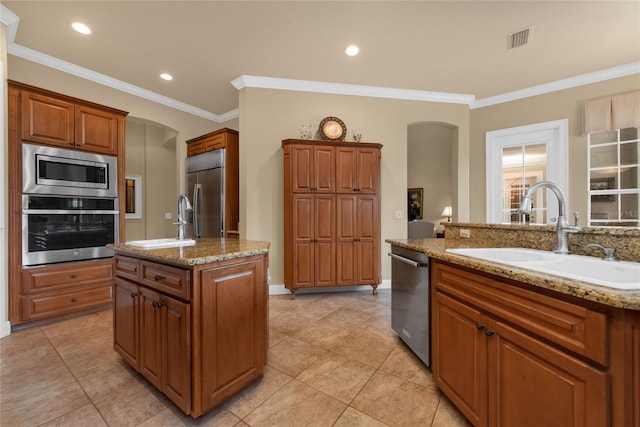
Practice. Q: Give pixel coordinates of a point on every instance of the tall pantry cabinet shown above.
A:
(331, 214)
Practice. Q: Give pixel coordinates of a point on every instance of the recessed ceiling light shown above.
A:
(166, 76)
(81, 28)
(352, 50)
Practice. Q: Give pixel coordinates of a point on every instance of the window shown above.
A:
(516, 159)
(614, 172)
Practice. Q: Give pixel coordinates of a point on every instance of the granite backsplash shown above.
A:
(625, 241)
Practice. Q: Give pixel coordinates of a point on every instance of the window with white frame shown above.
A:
(614, 175)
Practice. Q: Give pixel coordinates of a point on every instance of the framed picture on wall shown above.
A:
(414, 198)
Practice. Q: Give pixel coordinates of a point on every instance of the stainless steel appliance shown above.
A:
(62, 228)
(410, 299)
(51, 170)
(205, 181)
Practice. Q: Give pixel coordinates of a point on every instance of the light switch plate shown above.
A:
(167, 215)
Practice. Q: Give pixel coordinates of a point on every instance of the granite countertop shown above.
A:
(203, 252)
(435, 248)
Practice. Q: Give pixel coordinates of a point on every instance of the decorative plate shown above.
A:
(332, 129)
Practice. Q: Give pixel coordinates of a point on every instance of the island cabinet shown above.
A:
(67, 122)
(198, 334)
(331, 214)
(509, 355)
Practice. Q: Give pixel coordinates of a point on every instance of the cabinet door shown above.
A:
(96, 130)
(150, 337)
(125, 321)
(47, 120)
(176, 351)
(357, 170)
(459, 356)
(324, 240)
(303, 219)
(534, 384)
(232, 339)
(313, 168)
(357, 239)
(346, 234)
(635, 365)
(367, 240)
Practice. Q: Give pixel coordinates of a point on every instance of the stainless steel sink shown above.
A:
(612, 274)
(170, 242)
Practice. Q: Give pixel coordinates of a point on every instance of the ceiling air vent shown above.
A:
(519, 38)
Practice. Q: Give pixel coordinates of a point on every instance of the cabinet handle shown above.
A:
(480, 326)
(488, 332)
(160, 304)
(154, 303)
(133, 294)
(157, 278)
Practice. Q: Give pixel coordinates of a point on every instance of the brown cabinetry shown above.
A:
(508, 356)
(68, 123)
(43, 117)
(197, 334)
(331, 214)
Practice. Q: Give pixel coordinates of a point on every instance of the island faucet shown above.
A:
(563, 230)
(184, 207)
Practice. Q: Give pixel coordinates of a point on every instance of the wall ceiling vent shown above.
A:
(519, 38)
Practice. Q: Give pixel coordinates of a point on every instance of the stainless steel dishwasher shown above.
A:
(410, 299)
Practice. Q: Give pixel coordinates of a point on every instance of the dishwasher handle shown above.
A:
(408, 261)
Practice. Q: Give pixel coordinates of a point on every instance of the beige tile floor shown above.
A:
(333, 361)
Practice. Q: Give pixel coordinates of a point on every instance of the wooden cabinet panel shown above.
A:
(125, 321)
(534, 384)
(171, 280)
(232, 335)
(150, 337)
(66, 275)
(357, 169)
(312, 168)
(460, 356)
(176, 351)
(127, 267)
(324, 239)
(576, 328)
(96, 130)
(47, 120)
(195, 148)
(48, 304)
(221, 138)
(635, 366)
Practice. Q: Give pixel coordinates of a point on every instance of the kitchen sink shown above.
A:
(170, 242)
(612, 274)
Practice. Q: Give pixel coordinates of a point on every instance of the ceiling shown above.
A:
(435, 46)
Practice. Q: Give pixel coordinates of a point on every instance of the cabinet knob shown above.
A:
(74, 276)
(488, 332)
(479, 326)
(133, 294)
(157, 278)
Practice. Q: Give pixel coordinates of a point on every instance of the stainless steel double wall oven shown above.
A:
(69, 205)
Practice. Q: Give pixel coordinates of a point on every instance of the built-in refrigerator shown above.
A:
(205, 187)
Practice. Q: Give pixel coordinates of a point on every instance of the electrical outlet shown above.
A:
(466, 233)
(397, 214)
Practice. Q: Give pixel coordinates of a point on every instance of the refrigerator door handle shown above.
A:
(197, 203)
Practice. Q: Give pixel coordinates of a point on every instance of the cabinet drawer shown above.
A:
(127, 267)
(171, 280)
(54, 303)
(59, 277)
(571, 326)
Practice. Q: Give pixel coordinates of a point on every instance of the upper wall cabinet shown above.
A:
(53, 119)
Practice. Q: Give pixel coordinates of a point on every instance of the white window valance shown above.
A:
(612, 112)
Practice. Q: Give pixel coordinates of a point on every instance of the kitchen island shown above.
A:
(193, 319)
(512, 346)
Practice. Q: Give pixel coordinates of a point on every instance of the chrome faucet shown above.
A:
(184, 207)
(563, 230)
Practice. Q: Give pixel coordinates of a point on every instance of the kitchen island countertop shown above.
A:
(436, 248)
(205, 251)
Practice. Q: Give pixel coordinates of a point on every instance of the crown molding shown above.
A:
(348, 89)
(581, 80)
(11, 20)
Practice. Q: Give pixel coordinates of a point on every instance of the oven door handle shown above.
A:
(408, 261)
(68, 212)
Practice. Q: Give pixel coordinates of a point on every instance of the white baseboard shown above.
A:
(5, 329)
(281, 290)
